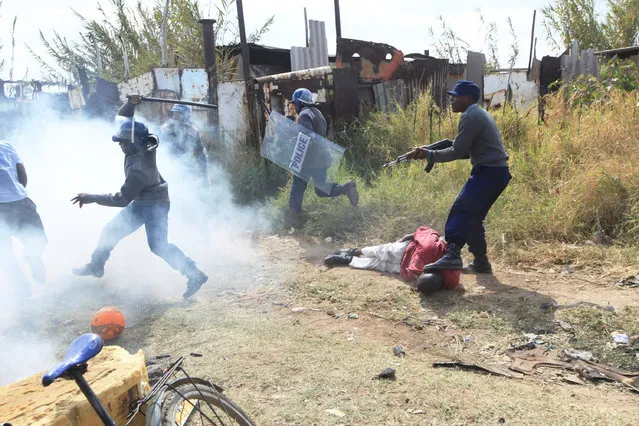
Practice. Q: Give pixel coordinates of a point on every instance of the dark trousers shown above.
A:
(155, 218)
(465, 222)
(20, 219)
(298, 187)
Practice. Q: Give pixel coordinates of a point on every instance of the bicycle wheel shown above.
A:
(200, 405)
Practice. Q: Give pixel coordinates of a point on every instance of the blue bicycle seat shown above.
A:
(81, 350)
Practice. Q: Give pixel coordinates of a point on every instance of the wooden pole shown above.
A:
(338, 21)
(532, 40)
(245, 51)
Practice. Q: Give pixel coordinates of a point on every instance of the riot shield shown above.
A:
(301, 151)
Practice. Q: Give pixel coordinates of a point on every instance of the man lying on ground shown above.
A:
(406, 257)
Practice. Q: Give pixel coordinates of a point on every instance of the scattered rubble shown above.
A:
(399, 351)
(388, 374)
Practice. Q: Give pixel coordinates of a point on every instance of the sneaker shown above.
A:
(350, 189)
(89, 269)
(196, 279)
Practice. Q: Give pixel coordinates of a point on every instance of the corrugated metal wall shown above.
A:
(314, 56)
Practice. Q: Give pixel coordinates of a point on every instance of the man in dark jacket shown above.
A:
(479, 139)
(316, 163)
(145, 198)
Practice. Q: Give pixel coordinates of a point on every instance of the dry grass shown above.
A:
(574, 175)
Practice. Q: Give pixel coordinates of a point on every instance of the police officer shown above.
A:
(145, 198)
(479, 139)
(184, 139)
(316, 163)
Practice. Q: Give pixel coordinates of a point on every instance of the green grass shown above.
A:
(573, 175)
(593, 332)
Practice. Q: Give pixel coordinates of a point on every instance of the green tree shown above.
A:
(136, 31)
(622, 23)
(574, 20)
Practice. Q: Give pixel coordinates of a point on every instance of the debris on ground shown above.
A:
(336, 412)
(620, 338)
(388, 374)
(593, 371)
(629, 282)
(353, 316)
(580, 355)
(557, 307)
(567, 270)
(564, 325)
(491, 369)
(527, 358)
(399, 351)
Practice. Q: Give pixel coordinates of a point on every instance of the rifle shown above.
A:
(437, 146)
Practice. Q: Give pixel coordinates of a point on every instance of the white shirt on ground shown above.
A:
(10, 188)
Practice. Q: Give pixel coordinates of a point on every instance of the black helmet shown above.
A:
(430, 283)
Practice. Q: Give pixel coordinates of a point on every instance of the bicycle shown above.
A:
(171, 401)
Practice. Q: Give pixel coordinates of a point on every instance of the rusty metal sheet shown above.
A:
(167, 79)
(478, 366)
(374, 61)
(195, 85)
(141, 85)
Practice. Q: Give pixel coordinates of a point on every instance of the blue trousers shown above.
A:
(155, 218)
(465, 222)
(298, 187)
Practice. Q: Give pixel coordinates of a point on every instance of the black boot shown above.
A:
(451, 260)
(90, 269)
(196, 279)
(350, 189)
(479, 265)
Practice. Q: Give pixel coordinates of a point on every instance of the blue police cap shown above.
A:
(466, 88)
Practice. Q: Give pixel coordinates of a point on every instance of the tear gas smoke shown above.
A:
(65, 156)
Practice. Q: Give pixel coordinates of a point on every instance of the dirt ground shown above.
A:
(277, 335)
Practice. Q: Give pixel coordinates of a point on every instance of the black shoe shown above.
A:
(451, 260)
(480, 265)
(197, 278)
(350, 189)
(338, 259)
(89, 270)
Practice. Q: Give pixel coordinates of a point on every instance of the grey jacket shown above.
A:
(477, 137)
(312, 118)
(318, 156)
(143, 182)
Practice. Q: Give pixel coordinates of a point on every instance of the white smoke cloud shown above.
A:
(65, 156)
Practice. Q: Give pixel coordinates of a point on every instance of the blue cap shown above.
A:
(466, 88)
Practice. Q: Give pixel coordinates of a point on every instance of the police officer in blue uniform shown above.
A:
(316, 163)
(479, 139)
